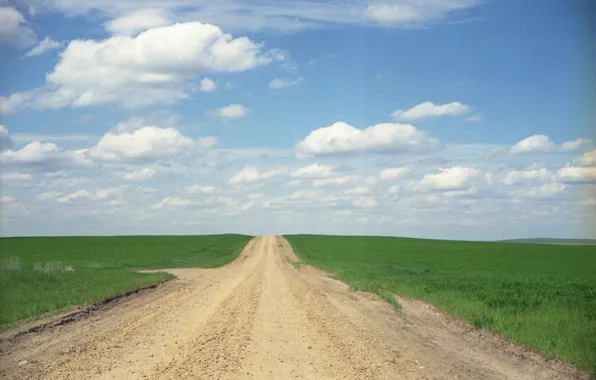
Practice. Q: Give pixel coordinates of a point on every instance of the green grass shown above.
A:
(40, 275)
(542, 296)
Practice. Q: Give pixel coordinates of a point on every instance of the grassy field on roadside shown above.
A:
(543, 296)
(39, 275)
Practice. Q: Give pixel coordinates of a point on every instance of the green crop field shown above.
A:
(543, 296)
(39, 275)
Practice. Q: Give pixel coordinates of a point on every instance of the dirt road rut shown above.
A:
(261, 317)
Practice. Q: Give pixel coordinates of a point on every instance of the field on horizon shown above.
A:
(542, 296)
(43, 274)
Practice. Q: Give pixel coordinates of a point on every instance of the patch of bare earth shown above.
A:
(261, 317)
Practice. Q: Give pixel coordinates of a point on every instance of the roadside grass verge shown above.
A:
(541, 296)
(41, 275)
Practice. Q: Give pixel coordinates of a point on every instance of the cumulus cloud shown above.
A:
(313, 171)
(49, 195)
(141, 174)
(207, 141)
(543, 144)
(277, 83)
(450, 179)
(5, 199)
(336, 181)
(14, 177)
(389, 174)
(175, 202)
(145, 143)
(342, 138)
(81, 196)
(547, 190)
(207, 85)
(199, 189)
(16, 101)
(577, 175)
(588, 159)
(576, 144)
(13, 27)
(138, 21)
(365, 202)
(6, 142)
(233, 111)
(251, 174)
(44, 46)
(429, 110)
(44, 155)
(515, 177)
(179, 202)
(150, 68)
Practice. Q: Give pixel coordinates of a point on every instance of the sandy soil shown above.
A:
(260, 317)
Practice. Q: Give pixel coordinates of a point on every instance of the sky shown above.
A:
(449, 119)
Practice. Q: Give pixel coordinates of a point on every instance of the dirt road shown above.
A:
(261, 317)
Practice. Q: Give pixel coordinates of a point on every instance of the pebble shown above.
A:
(22, 363)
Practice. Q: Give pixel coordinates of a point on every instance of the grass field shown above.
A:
(542, 296)
(39, 275)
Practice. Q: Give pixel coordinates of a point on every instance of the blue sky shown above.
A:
(460, 119)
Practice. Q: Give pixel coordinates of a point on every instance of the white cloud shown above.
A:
(36, 154)
(259, 15)
(360, 190)
(148, 142)
(16, 101)
(141, 174)
(6, 142)
(342, 138)
(153, 67)
(50, 195)
(450, 179)
(293, 183)
(175, 202)
(13, 27)
(45, 45)
(579, 175)
(4, 199)
(251, 174)
(333, 181)
(277, 84)
(515, 177)
(207, 85)
(313, 171)
(138, 21)
(409, 13)
(389, 174)
(542, 144)
(365, 202)
(588, 159)
(546, 190)
(429, 110)
(536, 143)
(14, 177)
(207, 141)
(474, 118)
(80, 196)
(233, 111)
(179, 202)
(29, 137)
(199, 189)
(575, 145)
